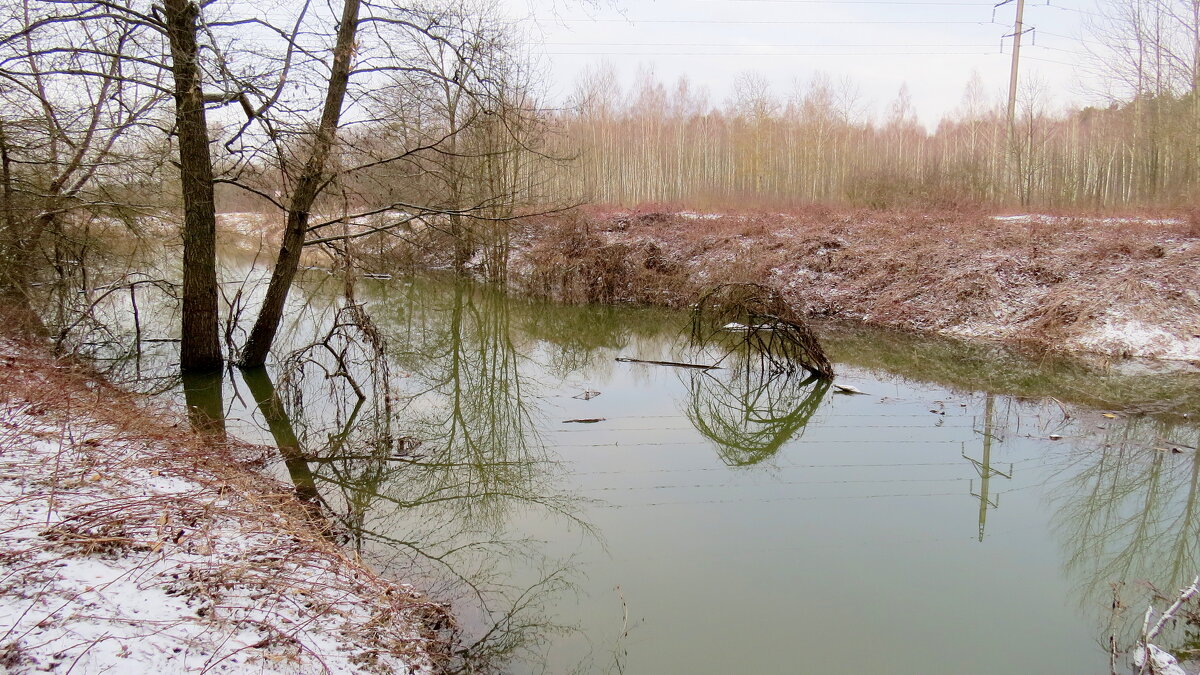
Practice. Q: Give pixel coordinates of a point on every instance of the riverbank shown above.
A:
(1113, 286)
(130, 544)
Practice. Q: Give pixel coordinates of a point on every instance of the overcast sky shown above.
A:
(931, 45)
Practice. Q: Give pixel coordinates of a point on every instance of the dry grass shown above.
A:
(90, 478)
(1055, 281)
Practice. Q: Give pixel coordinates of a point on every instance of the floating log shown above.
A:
(674, 364)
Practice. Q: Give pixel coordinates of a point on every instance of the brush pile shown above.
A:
(759, 321)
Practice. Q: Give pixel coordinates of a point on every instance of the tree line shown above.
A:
(656, 142)
(660, 143)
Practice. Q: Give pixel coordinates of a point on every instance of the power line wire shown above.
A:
(937, 53)
(872, 22)
(753, 44)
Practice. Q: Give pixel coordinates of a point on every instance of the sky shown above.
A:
(931, 46)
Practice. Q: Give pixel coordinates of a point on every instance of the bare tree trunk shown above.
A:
(462, 238)
(200, 350)
(258, 346)
(16, 311)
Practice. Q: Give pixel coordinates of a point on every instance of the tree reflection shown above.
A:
(1128, 517)
(280, 425)
(478, 437)
(203, 397)
(422, 469)
(753, 408)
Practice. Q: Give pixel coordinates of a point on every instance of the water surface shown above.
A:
(975, 511)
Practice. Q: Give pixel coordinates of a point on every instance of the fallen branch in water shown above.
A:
(1184, 595)
(1149, 657)
(675, 364)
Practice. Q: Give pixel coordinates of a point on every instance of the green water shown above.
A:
(726, 521)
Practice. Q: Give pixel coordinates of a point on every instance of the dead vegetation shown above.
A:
(130, 543)
(1067, 282)
(757, 319)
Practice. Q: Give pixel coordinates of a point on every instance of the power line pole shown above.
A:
(1010, 131)
(1018, 30)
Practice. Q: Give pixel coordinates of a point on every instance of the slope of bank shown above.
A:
(129, 544)
(1114, 286)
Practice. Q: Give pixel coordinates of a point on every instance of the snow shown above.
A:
(691, 215)
(109, 564)
(738, 327)
(1050, 220)
(1161, 662)
(1119, 335)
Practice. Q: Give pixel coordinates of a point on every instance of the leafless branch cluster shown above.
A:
(380, 116)
(756, 318)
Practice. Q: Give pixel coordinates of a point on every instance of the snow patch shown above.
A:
(1120, 336)
(110, 565)
(1161, 662)
(1052, 220)
(691, 215)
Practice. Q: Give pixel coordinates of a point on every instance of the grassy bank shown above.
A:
(130, 544)
(1114, 286)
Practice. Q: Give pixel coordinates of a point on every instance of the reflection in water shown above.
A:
(418, 438)
(204, 400)
(479, 460)
(1128, 519)
(984, 468)
(751, 410)
(421, 471)
(1148, 387)
(280, 425)
(769, 388)
(478, 436)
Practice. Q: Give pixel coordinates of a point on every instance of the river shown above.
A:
(976, 510)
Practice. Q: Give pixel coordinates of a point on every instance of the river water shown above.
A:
(974, 511)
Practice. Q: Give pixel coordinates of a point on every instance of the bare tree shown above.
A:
(423, 118)
(73, 106)
(200, 348)
(131, 46)
(305, 193)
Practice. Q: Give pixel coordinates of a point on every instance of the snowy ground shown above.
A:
(127, 546)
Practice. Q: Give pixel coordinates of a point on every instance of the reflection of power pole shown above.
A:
(984, 469)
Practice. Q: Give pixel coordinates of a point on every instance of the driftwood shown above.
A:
(674, 364)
